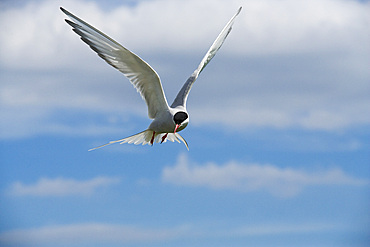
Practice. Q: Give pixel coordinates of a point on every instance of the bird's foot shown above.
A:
(152, 140)
(164, 138)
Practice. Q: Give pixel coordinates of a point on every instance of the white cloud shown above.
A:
(286, 63)
(61, 186)
(101, 234)
(286, 27)
(283, 182)
(89, 233)
(290, 229)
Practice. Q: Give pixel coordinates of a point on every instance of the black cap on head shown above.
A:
(180, 117)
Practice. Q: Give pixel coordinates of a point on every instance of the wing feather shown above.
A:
(182, 96)
(144, 78)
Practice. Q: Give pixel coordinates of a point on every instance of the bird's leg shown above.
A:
(164, 137)
(152, 140)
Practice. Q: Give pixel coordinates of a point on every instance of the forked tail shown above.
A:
(145, 137)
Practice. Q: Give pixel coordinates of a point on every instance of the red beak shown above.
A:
(177, 126)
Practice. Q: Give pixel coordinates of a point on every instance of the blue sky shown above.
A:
(278, 134)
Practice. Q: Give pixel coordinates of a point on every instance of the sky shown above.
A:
(279, 133)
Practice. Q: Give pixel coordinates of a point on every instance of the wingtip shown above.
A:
(66, 12)
(240, 9)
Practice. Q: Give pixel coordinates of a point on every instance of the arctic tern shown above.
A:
(167, 120)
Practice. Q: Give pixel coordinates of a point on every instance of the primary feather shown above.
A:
(141, 74)
(182, 96)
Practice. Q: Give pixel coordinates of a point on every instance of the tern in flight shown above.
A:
(167, 120)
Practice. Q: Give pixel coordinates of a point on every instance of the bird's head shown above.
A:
(180, 119)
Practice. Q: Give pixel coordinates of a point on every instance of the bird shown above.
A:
(167, 120)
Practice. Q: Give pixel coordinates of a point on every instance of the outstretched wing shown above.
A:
(141, 75)
(182, 96)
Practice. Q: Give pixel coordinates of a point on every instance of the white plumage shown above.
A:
(167, 120)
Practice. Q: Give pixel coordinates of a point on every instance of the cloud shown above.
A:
(287, 27)
(282, 182)
(286, 64)
(61, 186)
(280, 229)
(88, 233)
(118, 234)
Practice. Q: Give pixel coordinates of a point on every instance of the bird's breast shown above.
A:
(165, 124)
